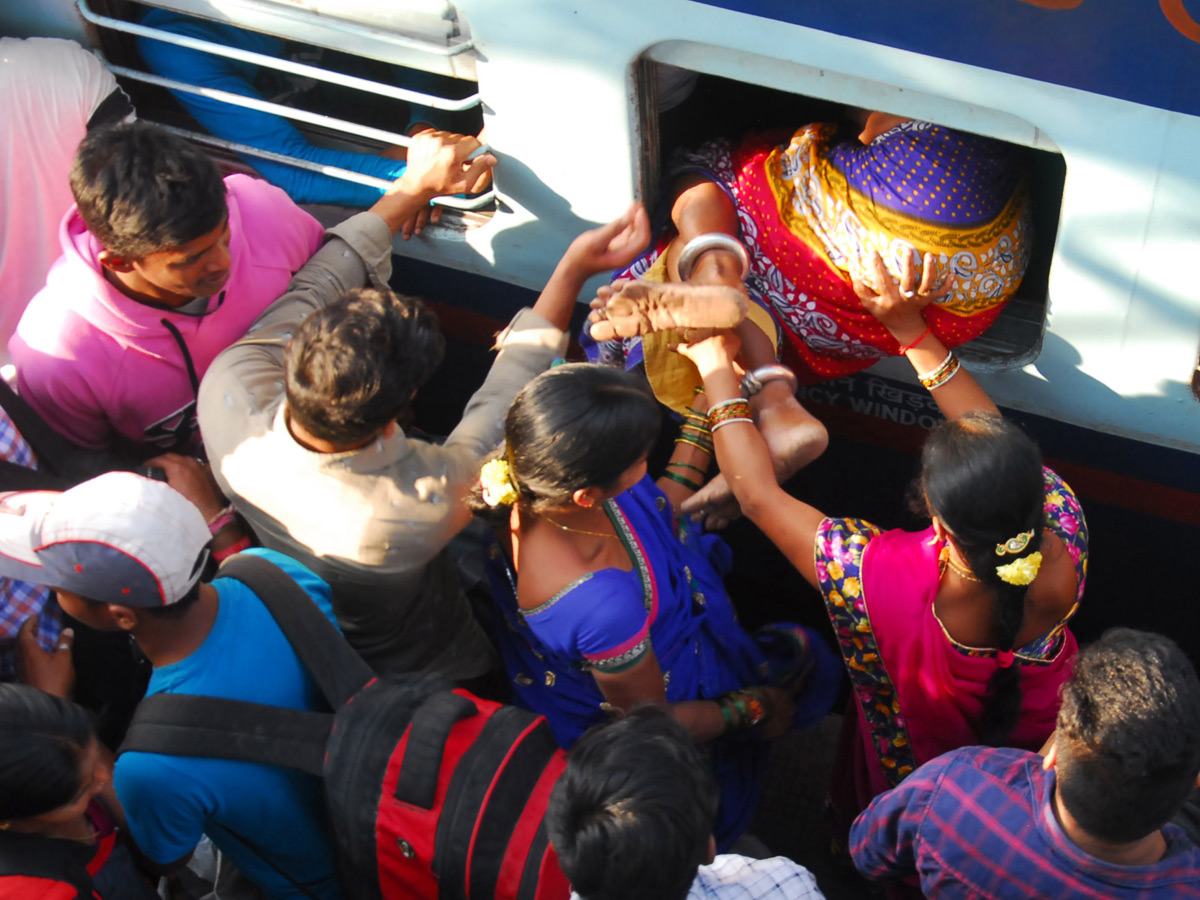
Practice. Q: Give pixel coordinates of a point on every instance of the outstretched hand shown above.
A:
(437, 164)
(713, 353)
(611, 246)
(899, 307)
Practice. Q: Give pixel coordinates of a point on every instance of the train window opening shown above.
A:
(680, 109)
(353, 112)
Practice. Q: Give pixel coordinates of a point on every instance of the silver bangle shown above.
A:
(753, 382)
(733, 421)
(714, 240)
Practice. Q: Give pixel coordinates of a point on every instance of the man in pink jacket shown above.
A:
(163, 267)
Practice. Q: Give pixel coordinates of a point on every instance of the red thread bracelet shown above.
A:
(222, 555)
(924, 334)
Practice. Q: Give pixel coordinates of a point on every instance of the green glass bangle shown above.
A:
(683, 465)
(703, 448)
(727, 716)
(700, 438)
(679, 479)
(740, 705)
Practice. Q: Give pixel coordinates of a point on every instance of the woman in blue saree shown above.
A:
(617, 603)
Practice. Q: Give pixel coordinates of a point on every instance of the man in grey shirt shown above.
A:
(299, 422)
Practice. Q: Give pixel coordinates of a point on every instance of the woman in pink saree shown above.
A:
(953, 635)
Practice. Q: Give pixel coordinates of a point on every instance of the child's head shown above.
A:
(631, 817)
(577, 426)
(1128, 735)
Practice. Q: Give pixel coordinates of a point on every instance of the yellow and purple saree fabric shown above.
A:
(811, 212)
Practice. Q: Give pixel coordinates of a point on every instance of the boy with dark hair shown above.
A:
(1089, 819)
(354, 367)
(631, 819)
(163, 266)
(126, 553)
(299, 419)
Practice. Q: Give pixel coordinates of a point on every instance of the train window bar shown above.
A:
(400, 41)
(334, 124)
(476, 201)
(286, 65)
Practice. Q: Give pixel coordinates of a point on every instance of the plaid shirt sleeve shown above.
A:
(884, 837)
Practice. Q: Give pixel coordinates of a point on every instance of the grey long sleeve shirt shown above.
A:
(373, 522)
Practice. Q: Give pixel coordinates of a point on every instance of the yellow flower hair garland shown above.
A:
(1022, 571)
(495, 479)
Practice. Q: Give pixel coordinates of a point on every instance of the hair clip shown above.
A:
(1016, 544)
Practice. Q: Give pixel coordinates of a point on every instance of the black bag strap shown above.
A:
(466, 794)
(34, 856)
(431, 726)
(338, 671)
(506, 801)
(215, 728)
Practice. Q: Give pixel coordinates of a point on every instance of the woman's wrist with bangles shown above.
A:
(942, 374)
(729, 412)
(694, 430)
(744, 709)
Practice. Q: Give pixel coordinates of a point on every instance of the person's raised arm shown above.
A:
(900, 308)
(745, 462)
(611, 246)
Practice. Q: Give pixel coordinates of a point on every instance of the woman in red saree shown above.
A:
(953, 635)
(799, 217)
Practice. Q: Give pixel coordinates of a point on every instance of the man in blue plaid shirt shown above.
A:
(1089, 819)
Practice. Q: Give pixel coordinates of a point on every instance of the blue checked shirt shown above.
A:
(979, 823)
(18, 599)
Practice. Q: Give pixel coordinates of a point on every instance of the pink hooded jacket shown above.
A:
(97, 364)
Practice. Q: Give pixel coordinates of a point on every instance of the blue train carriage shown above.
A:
(1097, 353)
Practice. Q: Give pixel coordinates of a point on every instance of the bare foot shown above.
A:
(794, 438)
(644, 307)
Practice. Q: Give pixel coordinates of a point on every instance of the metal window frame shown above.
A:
(290, 66)
(288, 112)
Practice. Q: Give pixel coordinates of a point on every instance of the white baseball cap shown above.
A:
(118, 538)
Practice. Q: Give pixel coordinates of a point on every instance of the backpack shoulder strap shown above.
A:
(216, 728)
(338, 671)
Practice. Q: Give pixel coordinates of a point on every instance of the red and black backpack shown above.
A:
(433, 793)
(33, 867)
